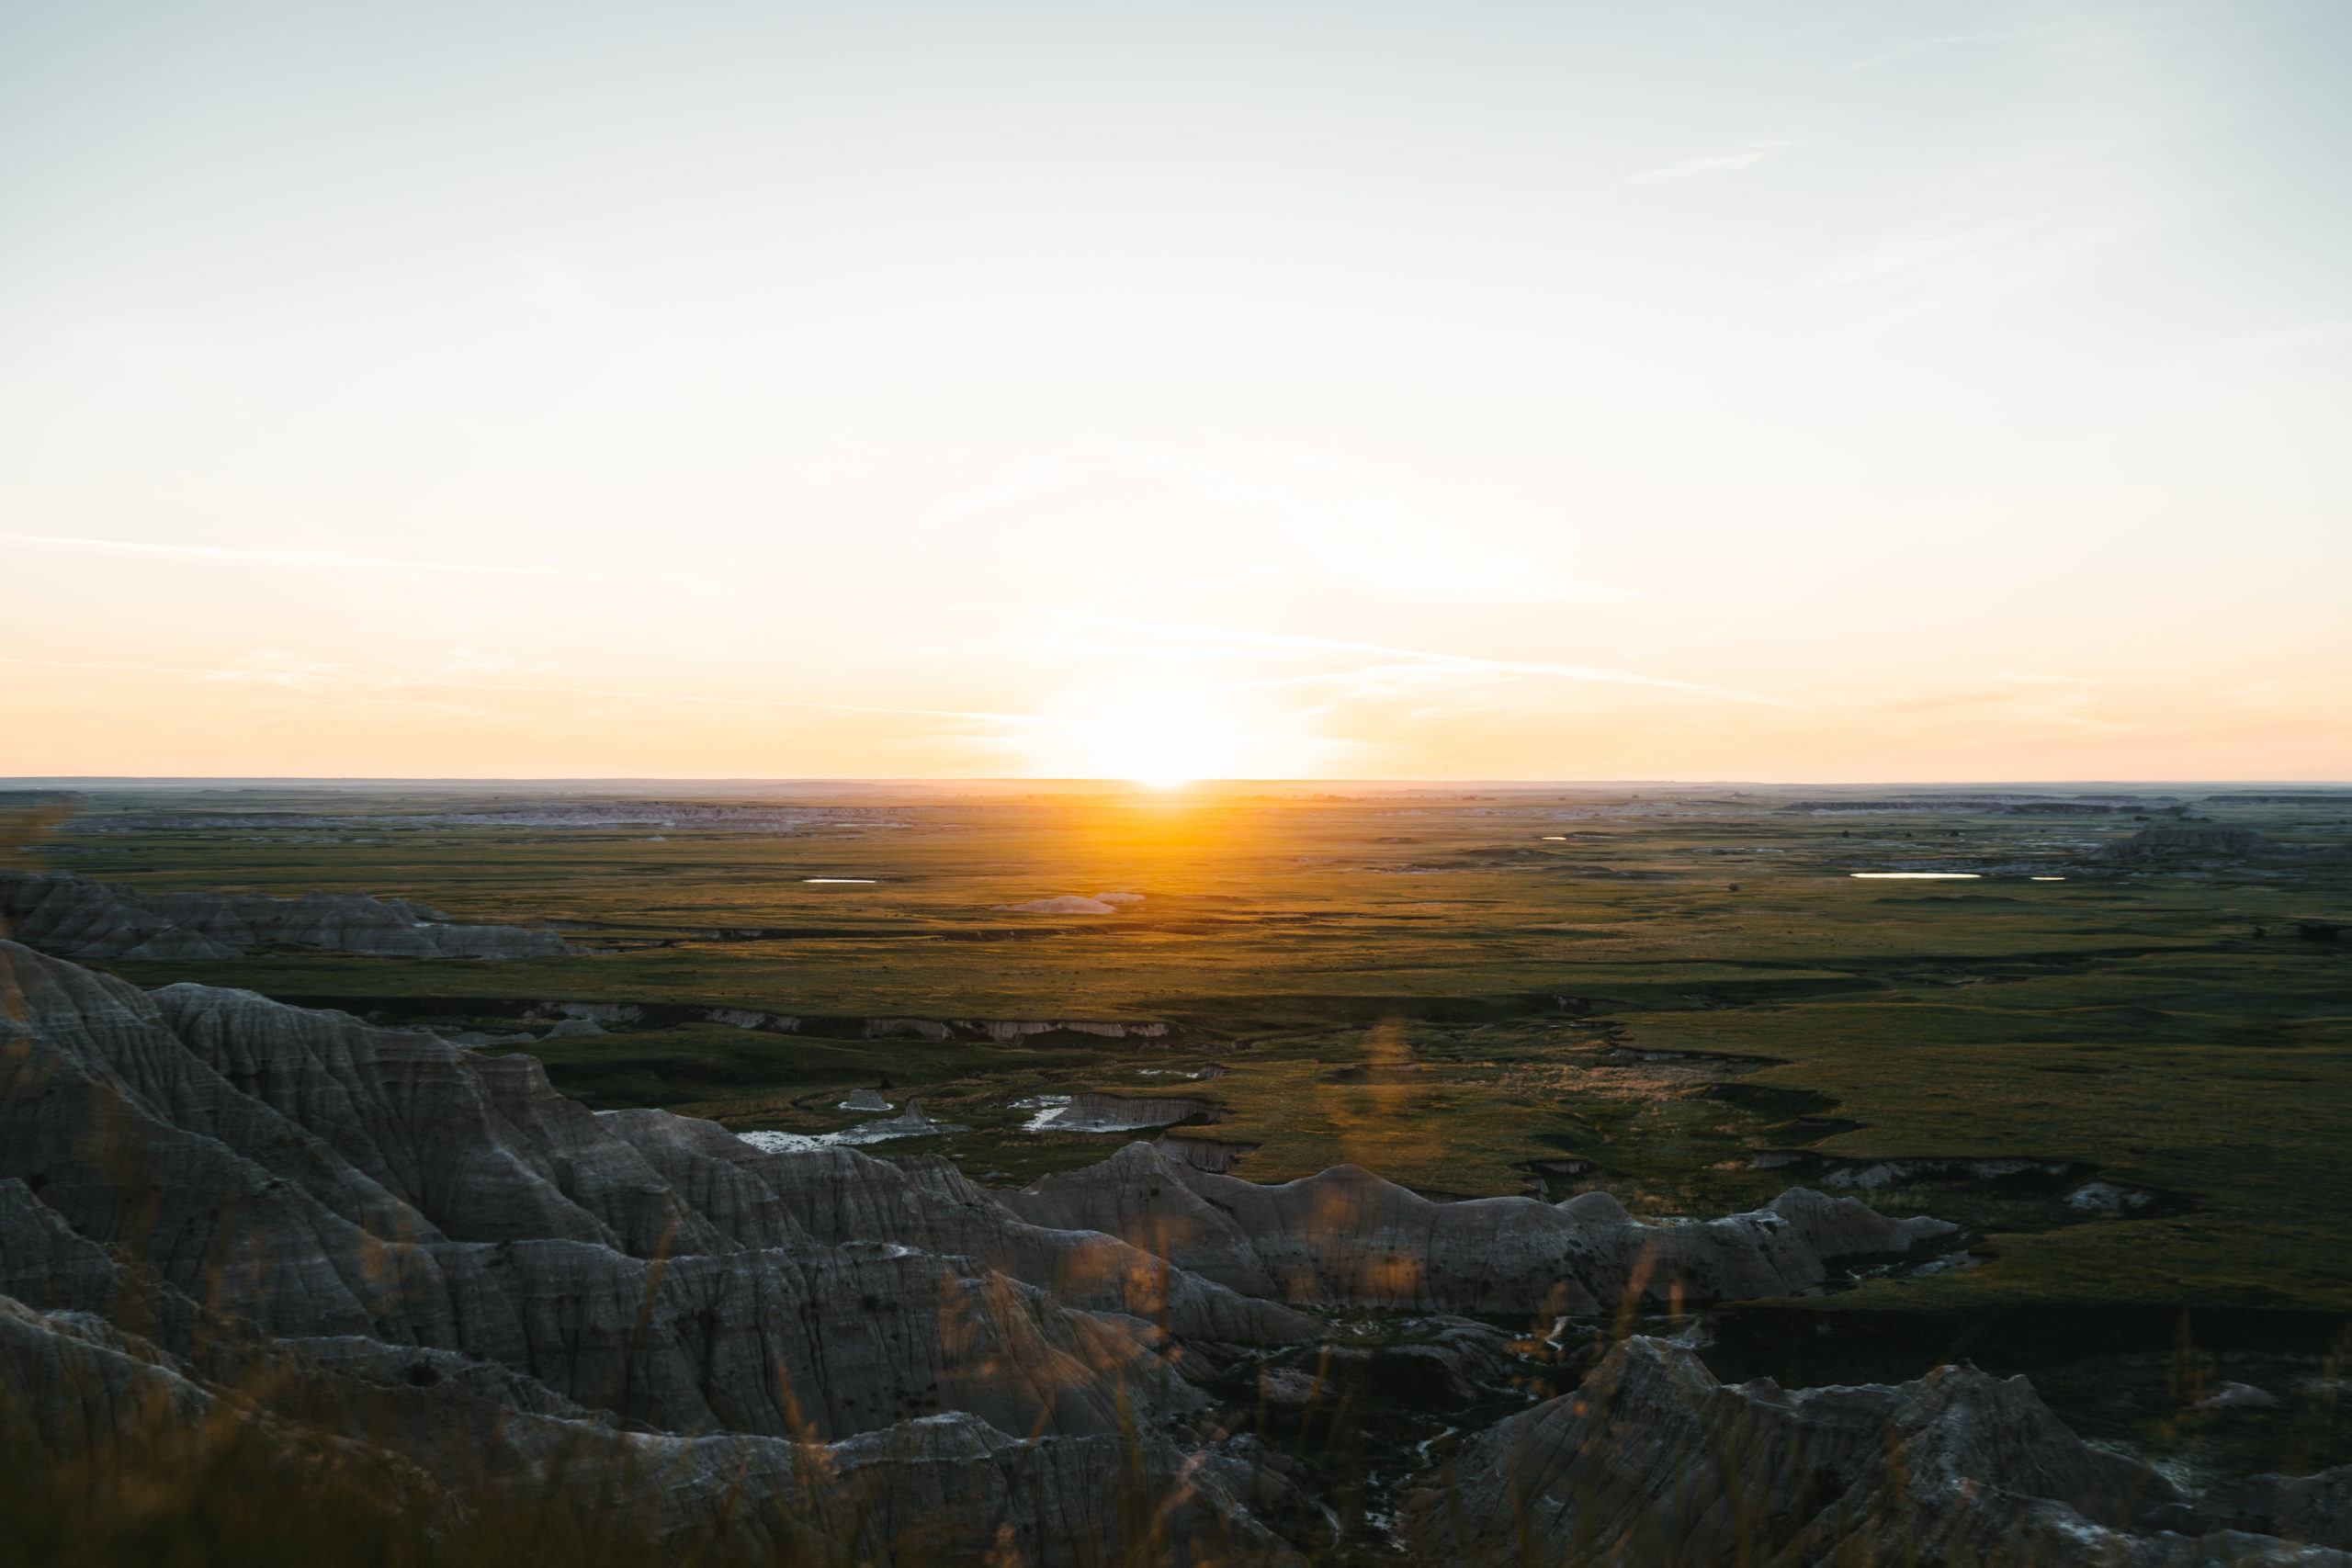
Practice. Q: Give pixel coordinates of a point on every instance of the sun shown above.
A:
(1159, 753)
(1164, 733)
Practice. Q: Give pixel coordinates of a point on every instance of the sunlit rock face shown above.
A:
(1064, 904)
(70, 914)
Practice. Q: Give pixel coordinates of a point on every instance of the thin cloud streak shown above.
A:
(1937, 268)
(1460, 661)
(221, 555)
(1026, 480)
(403, 682)
(1728, 160)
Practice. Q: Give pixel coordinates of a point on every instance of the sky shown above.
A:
(1767, 390)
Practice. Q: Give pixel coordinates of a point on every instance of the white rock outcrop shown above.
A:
(1067, 904)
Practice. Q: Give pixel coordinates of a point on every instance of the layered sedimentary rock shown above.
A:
(394, 1207)
(390, 1208)
(430, 1434)
(335, 1178)
(1653, 1461)
(65, 913)
(440, 1268)
(1347, 1237)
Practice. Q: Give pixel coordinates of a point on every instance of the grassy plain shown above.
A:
(1470, 990)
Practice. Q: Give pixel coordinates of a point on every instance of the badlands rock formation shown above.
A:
(945, 1488)
(430, 1259)
(70, 914)
(1348, 1237)
(1652, 1461)
(393, 1210)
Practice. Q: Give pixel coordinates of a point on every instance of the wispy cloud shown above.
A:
(2072, 159)
(1027, 480)
(225, 556)
(1722, 161)
(2059, 702)
(1422, 663)
(1939, 267)
(1943, 254)
(1379, 530)
(277, 671)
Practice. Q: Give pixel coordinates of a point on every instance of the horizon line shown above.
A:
(264, 780)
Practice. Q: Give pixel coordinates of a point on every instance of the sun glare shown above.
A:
(1164, 734)
(1158, 754)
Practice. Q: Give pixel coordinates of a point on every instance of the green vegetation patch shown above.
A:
(1470, 991)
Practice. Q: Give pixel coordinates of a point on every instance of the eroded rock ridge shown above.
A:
(434, 1256)
(1653, 1461)
(62, 912)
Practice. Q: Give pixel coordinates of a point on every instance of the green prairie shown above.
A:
(1472, 991)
